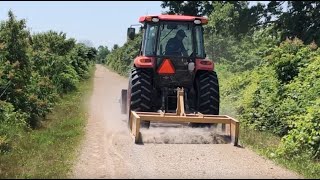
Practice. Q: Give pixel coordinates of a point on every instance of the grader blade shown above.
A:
(181, 117)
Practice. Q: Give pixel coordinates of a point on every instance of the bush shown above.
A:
(34, 71)
(282, 97)
(121, 59)
(12, 124)
(260, 100)
(289, 57)
(304, 93)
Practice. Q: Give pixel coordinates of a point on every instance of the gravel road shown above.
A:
(175, 152)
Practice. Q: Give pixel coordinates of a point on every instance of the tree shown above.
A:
(193, 8)
(241, 18)
(14, 58)
(115, 46)
(302, 20)
(87, 43)
(236, 18)
(53, 42)
(102, 54)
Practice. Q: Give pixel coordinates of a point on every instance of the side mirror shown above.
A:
(131, 33)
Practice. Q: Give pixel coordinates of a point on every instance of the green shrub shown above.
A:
(121, 59)
(34, 71)
(12, 123)
(259, 101)
(288, 58)
(67, 80)
(304, 93)
(281, 97)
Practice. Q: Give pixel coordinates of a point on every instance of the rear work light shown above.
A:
(197, 21)
(166, 67)
(155, 19)
(202, 21)
(145, 60)
(206, 62)
(148, 18)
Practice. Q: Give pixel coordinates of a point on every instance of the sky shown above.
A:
(99, 22)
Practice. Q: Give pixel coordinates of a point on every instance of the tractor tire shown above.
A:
(140, 92)
(208, 97)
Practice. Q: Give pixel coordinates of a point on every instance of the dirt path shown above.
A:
(109, 152)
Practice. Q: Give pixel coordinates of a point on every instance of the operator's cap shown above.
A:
(182, 33)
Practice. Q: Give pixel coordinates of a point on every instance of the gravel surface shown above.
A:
(176, 152)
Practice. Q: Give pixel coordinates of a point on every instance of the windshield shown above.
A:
(173, 39)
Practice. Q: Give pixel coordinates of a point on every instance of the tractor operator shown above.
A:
(175, 45)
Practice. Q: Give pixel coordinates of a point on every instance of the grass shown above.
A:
(265, 144)
(50, 151)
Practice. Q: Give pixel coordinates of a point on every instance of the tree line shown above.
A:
(35, 71)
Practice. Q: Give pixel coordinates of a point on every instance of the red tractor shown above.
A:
(171, 57)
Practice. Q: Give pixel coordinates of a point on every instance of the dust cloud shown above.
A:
(159, 134)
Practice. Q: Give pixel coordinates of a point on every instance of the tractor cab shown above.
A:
(159, 30)
(174, 44)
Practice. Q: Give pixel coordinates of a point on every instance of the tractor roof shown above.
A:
(173, 18)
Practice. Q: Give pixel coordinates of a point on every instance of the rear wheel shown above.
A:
(208, 97)
(140, 92)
